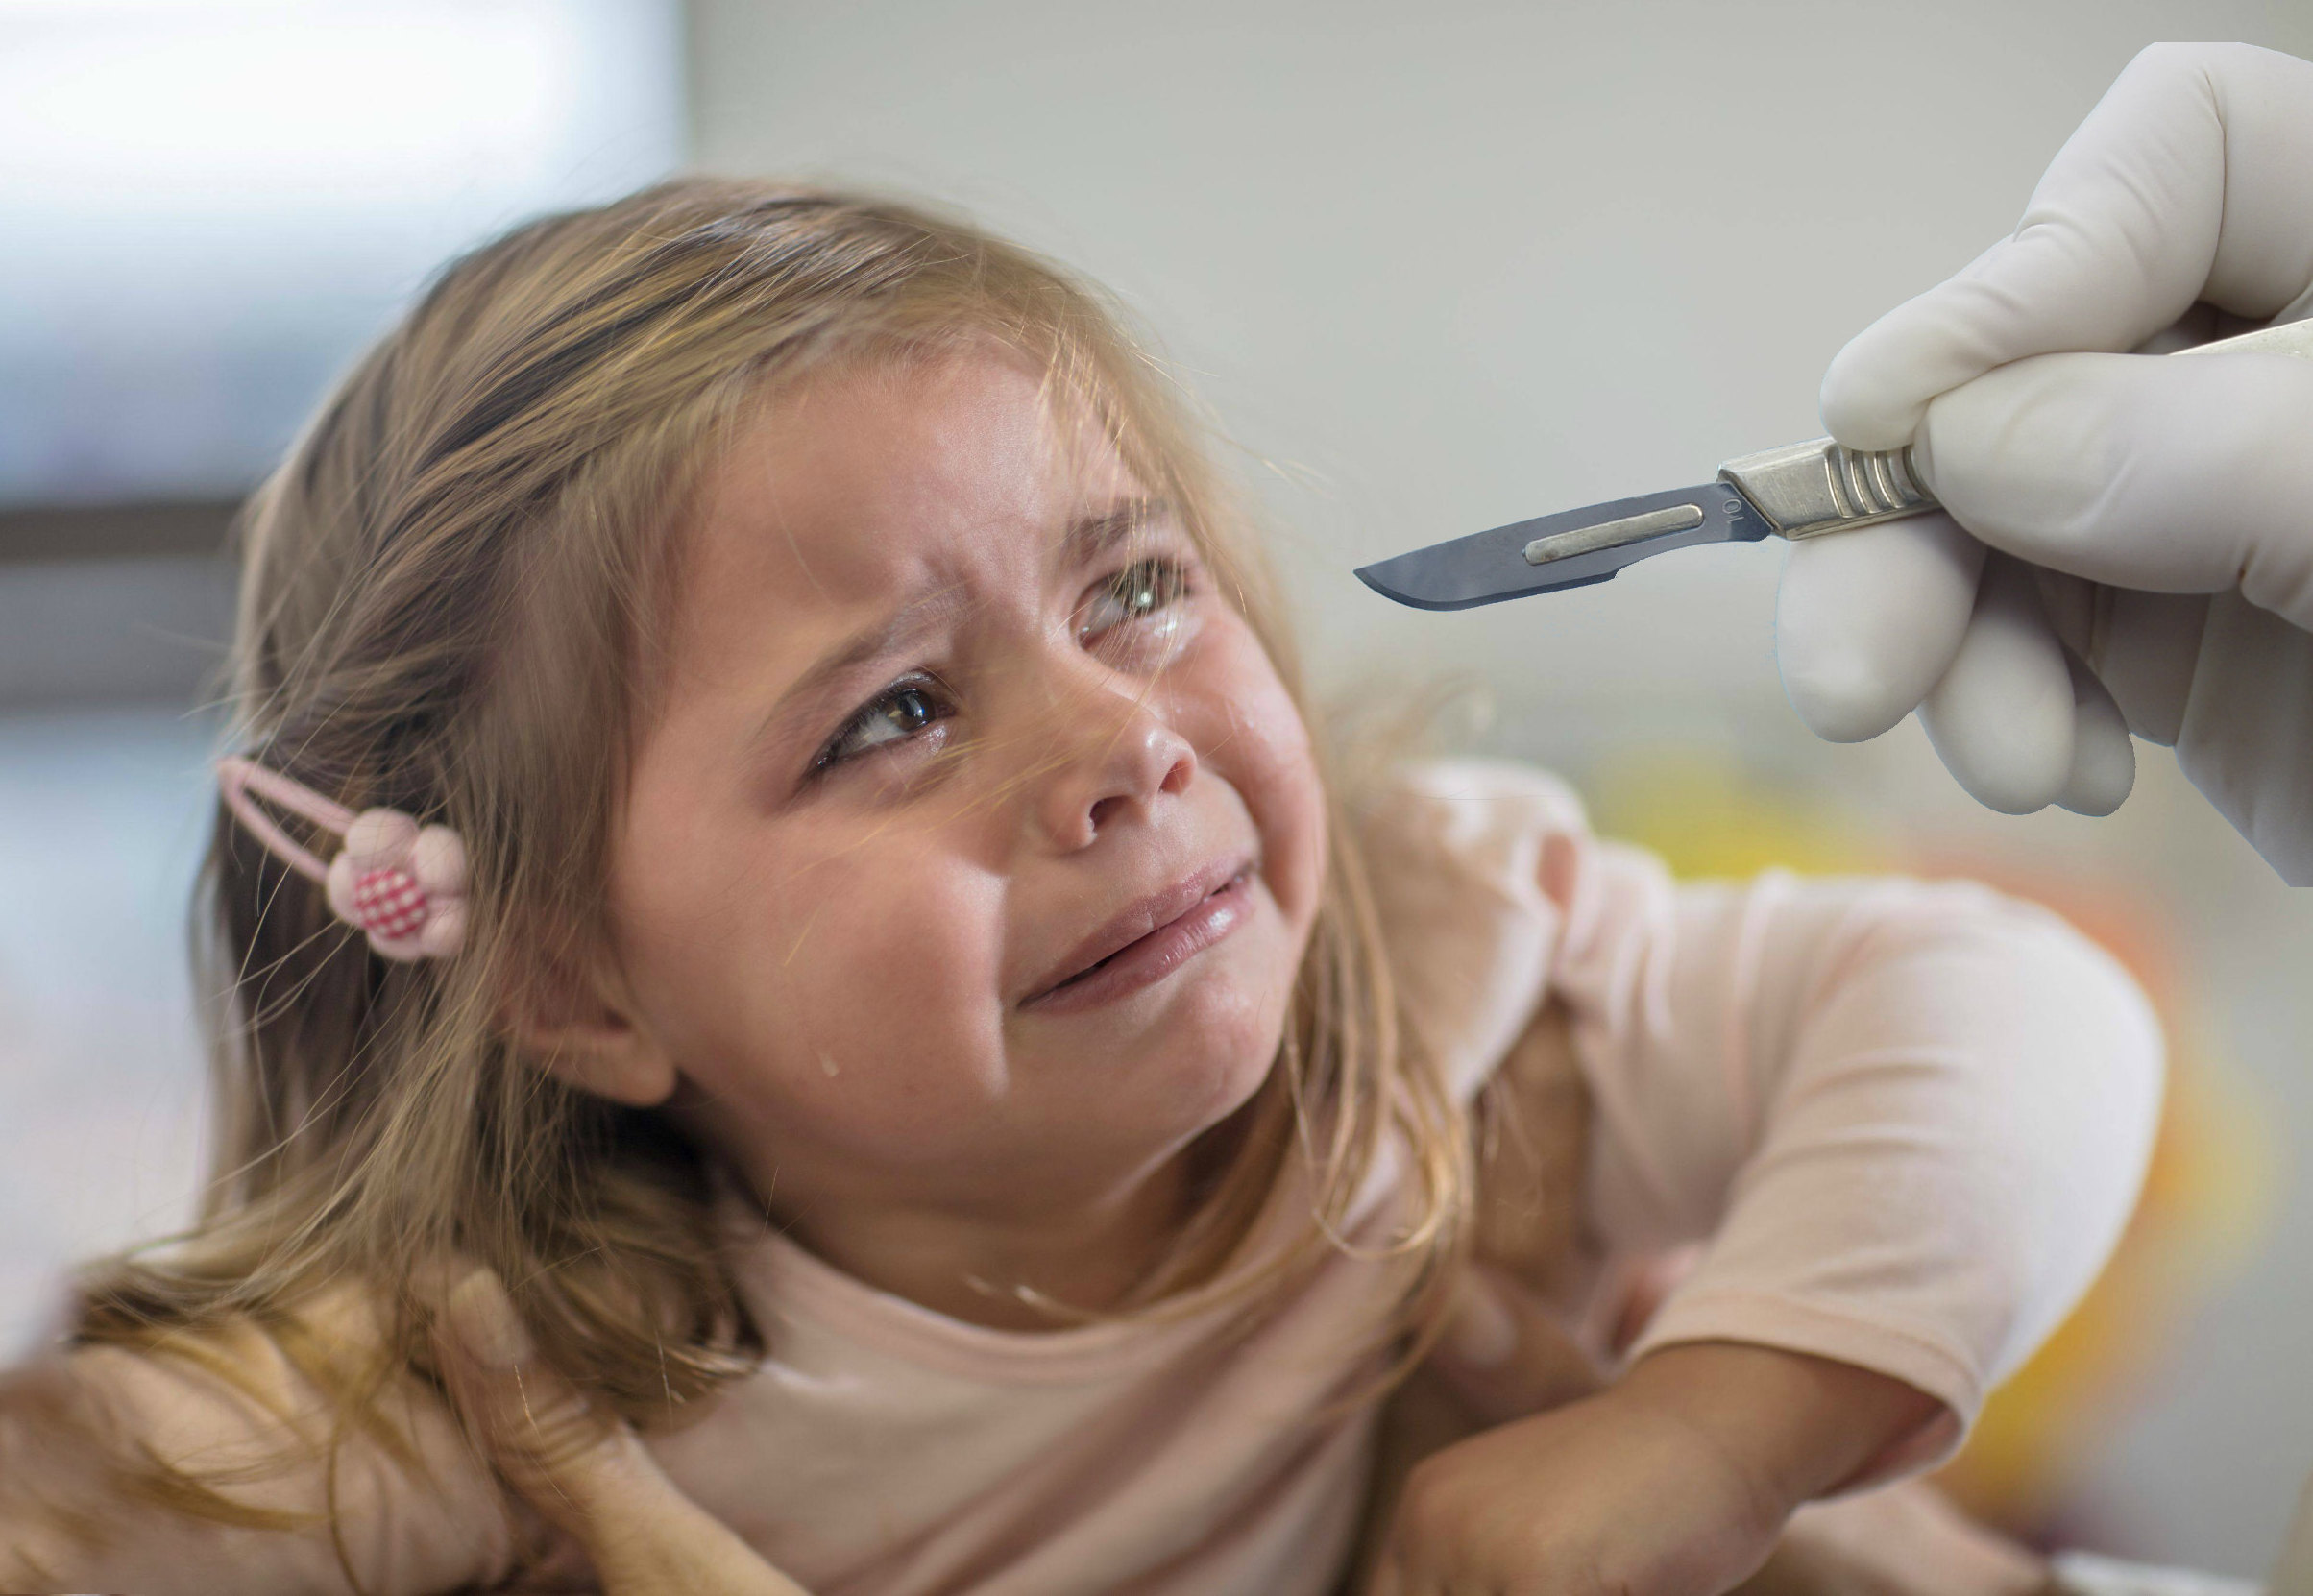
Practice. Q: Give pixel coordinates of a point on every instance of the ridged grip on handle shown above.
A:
(1805, 489)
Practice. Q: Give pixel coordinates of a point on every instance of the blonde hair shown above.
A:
(450, 598)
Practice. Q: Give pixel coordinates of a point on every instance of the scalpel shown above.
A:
(1800, 491)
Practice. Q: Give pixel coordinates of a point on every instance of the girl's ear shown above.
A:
(582, 1030)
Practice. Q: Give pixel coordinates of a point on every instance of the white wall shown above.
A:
(211, 205)
(1451, 265)
(101, 1074)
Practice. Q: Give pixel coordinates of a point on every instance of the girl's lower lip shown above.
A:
(1144, 963)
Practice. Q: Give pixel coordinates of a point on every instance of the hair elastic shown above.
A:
(401, 883)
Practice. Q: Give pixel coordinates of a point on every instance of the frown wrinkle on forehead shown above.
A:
(839, 501)
(934, 605)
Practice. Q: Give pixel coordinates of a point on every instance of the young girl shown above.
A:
(772, 810)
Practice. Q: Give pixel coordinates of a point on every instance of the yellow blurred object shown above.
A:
(1707, 818)
(2208, 1188)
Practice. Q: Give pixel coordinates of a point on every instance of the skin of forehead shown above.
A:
(801, 512)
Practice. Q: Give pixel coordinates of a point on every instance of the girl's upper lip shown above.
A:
(1140, 918)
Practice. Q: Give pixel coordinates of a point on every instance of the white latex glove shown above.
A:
(2156, 515)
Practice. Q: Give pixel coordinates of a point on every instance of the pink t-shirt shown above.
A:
(1907, 1121)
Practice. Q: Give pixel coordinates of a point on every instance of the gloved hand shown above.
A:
(2150, 521)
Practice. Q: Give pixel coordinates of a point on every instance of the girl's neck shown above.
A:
(1011, 1272)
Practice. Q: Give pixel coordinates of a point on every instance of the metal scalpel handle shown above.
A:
(1806, 490)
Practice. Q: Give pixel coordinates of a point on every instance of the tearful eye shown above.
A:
(1142, 588)
(903, 711)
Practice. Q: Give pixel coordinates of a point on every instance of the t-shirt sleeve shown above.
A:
(1908, 1119)
(403, 1505)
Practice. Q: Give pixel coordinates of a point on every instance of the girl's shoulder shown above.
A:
(1471, 806)
(1478, 869)
(1445, 840)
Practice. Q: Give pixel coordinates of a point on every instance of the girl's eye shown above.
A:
(902, 710)
(1142, 588)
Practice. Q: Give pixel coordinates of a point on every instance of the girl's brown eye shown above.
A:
(900, 712)
(1142, 588)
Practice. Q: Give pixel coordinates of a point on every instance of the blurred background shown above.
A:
(1432, 268)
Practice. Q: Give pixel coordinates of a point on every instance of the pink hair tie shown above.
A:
(401, 883)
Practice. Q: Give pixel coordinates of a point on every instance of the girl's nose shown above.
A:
(1122, 759)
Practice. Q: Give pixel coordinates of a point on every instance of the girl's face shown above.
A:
(970, 862)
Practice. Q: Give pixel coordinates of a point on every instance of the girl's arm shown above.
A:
(401, 1507)
(1908, 1122)
(1909, 1119)
(1507, 1357)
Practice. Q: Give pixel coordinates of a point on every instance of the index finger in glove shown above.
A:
(2157, 474)
(584, 1471)
(2186, 182)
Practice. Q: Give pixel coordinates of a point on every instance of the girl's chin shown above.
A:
(1210, 1072)
(1227, 1032)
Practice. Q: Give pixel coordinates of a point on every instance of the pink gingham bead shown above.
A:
(389, 903)
(403, 884)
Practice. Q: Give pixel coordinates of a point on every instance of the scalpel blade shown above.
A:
(1571, 549)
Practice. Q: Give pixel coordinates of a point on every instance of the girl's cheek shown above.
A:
(1255, 739)
(806, 967)
(875, 982)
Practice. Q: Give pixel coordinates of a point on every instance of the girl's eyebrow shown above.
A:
(801, 703)
(1089, 537)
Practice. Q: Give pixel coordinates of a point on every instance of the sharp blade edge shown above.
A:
(1488, 567)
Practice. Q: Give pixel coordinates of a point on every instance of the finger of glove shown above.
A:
(2168, 474)
(2185, 183)
(1866, 623)
(2104, 757)
(1505, 1354)
(2002, 718)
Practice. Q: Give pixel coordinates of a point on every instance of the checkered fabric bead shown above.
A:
(390, 902)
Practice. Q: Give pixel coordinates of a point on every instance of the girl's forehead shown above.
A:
(861, 467)
(864, 482)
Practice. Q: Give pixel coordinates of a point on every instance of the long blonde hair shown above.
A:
(452, 593)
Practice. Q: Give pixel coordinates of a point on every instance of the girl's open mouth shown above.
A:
(1151, 941)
